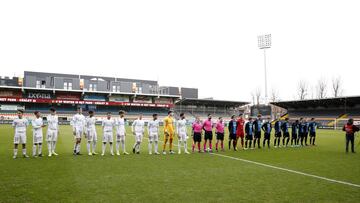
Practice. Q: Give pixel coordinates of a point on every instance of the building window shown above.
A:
(92, 87)
(67, 85)
(43, 82)
(38, 84)
(116, 88)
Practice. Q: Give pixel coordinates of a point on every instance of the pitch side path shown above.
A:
(311, 174)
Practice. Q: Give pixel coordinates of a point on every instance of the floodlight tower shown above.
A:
(264, 42)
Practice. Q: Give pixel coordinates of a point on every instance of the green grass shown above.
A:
(179, 178)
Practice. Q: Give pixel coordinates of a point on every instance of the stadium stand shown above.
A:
(203, 107)
(329, 112)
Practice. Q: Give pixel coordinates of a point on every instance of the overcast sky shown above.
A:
(211, 45)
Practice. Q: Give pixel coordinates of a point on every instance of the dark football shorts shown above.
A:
(267, 136)
(278, 134)
(249, 137)
(208, 135)
(312, 134)
(220, 136)
(257, 135)
(197, 137)
(286, 134)
(232, 136)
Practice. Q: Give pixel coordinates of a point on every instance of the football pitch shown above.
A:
(324, 173)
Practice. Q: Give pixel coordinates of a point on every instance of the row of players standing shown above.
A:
(79, 123)
(82, 125)
(86, 126)
(20, 125)
(249, 132)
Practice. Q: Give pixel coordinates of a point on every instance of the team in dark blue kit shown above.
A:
(277, 133)
(294, 133)
(249, 133)
(266, 127)
(285, 130)
(257, 131)
(312, 129)
(300, 130)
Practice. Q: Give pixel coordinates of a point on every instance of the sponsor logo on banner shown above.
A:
(37, 95)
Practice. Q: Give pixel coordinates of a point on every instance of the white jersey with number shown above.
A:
(90, 128)
(108, 125)
(20, 125)
(78, 122)
(153, 129)
(53, 122)
(90, 124)
(120, 126)
(181, 129)
(138, 126)
(37, 124)
(53, 127)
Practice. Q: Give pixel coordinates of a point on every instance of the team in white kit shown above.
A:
(86, 126)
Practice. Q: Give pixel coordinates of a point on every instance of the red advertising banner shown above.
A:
(10, 93)
(163, 101)
(61, 101)
(68, 96)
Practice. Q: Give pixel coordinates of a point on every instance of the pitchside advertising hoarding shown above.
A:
(9, 107)
(79, 102)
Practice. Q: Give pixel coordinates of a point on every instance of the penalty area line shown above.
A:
(288, 170)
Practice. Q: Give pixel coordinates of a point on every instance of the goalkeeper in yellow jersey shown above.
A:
(169, 132)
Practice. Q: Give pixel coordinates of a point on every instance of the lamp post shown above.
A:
(264, 42)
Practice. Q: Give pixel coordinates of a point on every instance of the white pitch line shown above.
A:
(288, 170)
(283, 169)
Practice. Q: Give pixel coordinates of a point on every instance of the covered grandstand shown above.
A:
(202, 107)
(329, 112)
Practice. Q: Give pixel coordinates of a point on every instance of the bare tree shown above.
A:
(321, 88)
(274, 97)
(302, 89)
(337, 86)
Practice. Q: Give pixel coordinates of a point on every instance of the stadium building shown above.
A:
(65, 92)
(217, 108)
(329, 112)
